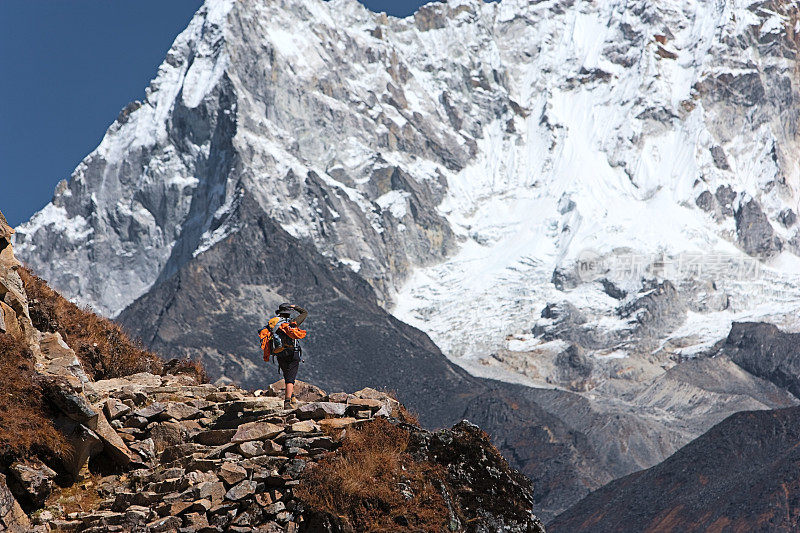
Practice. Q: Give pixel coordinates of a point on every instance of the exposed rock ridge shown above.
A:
(209, 458)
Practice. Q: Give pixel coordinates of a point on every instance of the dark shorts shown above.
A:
(289, 364)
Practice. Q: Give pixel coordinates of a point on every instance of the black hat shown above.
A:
(284, 309)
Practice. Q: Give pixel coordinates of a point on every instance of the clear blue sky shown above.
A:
(66, 70)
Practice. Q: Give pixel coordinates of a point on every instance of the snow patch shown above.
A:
(73, 228)
(395, 201)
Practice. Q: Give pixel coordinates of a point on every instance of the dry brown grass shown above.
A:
(105, 350)
(187, 366)
(372, 483)
(78, 497)
(26, 426)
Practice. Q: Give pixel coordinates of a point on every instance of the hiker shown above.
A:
(281, 340)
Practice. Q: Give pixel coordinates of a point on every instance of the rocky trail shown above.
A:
(186, 457)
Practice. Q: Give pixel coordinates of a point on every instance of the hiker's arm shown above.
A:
(302, 316)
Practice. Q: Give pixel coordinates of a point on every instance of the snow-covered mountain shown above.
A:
(465, 161)
(579, 196)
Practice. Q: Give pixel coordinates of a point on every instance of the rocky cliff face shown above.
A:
(577, 197)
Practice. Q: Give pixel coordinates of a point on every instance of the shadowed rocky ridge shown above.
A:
(765, 351)
(742, 475)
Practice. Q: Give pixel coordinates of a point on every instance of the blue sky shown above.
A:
(66, 70)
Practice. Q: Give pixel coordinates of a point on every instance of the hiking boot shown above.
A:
(290, 403)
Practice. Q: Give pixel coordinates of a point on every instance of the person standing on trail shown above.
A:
(280, 339)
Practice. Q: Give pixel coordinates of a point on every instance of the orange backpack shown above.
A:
(270, 335)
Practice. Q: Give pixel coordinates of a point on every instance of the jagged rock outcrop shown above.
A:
(754, 231)
(741, 475)
(496, 496)
(765, 351)
(14, 317)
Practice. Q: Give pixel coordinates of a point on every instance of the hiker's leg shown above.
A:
(289, 375)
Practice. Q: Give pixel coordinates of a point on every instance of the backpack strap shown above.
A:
(278, 324)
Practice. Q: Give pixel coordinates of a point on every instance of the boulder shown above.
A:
(361, 403)
(307, 426)
(135, 383)
(58, 359)
(211, 490)
(133, 421)
(150, 411)
(271, 447)
(137, 516)
(263, 499)
(12, 518)
(318, 410)
(113, 444)
(242, 490)
(195, 522)
(145, 448)
(179, 507)
(256, 431)
(223, 396)
(336, 423)
(265, 403)
(196, 477)
(113, 408)
(215, 437)
(180, 411)
(84, 443)
(305, 392)
(200, 506)
(294, 468)
(274, 508)
(33, 481)
(370, 393)
(9, 323)
(337, 397)
(162, 525)
(252, 448)
(166, 434)
(221, 451)
(232, 473)
(124, 500)
(67, 395)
